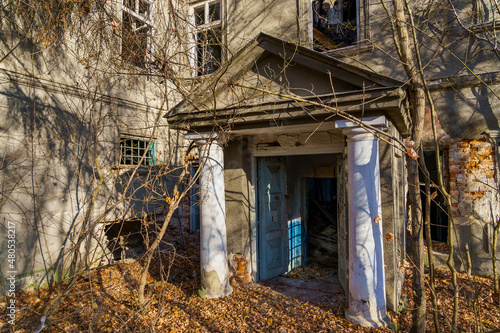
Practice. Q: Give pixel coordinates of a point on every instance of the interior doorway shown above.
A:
(322, 248)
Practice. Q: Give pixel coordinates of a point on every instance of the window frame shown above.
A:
(362, 44)
(196, 29)
(147, 22)
(150, 156)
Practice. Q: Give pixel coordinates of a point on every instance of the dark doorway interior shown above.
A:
(322, 246)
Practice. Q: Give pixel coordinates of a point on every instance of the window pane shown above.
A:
(209, 51)
(133, 150)
(199, 15)
(214, 12)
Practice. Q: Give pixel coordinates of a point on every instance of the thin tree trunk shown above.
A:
(417, 237)
(417, 242)
(151, 250)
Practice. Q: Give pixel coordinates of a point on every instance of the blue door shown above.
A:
(273, 231)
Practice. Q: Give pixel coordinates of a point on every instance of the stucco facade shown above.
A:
(70, 105)
(271, 92)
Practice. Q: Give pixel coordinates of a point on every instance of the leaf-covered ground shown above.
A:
(106, 301)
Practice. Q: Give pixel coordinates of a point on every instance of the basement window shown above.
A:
(137, 30)
(133, 150)
(207, 37)
(335, 23)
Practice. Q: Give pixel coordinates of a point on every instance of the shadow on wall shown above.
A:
(48, 172)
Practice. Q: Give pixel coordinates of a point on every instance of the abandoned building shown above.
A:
(294, 107)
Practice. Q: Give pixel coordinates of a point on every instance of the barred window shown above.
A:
(132, 151)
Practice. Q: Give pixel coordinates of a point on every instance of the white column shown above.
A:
(367, 300)
(214, 262)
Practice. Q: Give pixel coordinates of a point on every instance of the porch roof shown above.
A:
(271, 79)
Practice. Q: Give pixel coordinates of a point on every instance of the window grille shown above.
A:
(132, 151)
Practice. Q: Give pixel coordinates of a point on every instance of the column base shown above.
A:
(368, 319)
(212, 286)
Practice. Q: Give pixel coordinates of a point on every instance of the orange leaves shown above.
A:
(409, 149)
(115, 25)
(169, 200)
(389, 236)
(377, 219)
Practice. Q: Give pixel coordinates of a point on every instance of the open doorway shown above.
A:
(301, 191)
(439, 217)
(298, 195)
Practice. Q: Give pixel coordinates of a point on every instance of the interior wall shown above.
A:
(305, 166)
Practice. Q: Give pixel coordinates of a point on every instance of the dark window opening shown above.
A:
(125, 239)
(133, 150)
(334, 23)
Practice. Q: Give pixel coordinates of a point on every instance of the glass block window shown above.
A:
(132, 150)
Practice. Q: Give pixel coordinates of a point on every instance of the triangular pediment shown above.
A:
(270, 77)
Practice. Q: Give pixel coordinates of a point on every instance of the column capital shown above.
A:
(351, 127)
(204, 138)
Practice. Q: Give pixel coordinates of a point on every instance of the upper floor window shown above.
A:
(335, 23)
(207, 37)
(137, 29)
(133, 150)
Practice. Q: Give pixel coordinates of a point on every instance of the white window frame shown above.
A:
(148, 22)
(195, 29)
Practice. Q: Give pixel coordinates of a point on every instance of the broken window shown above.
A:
(132, 151)
(137, 28)
(334, 23)
(206, 20)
